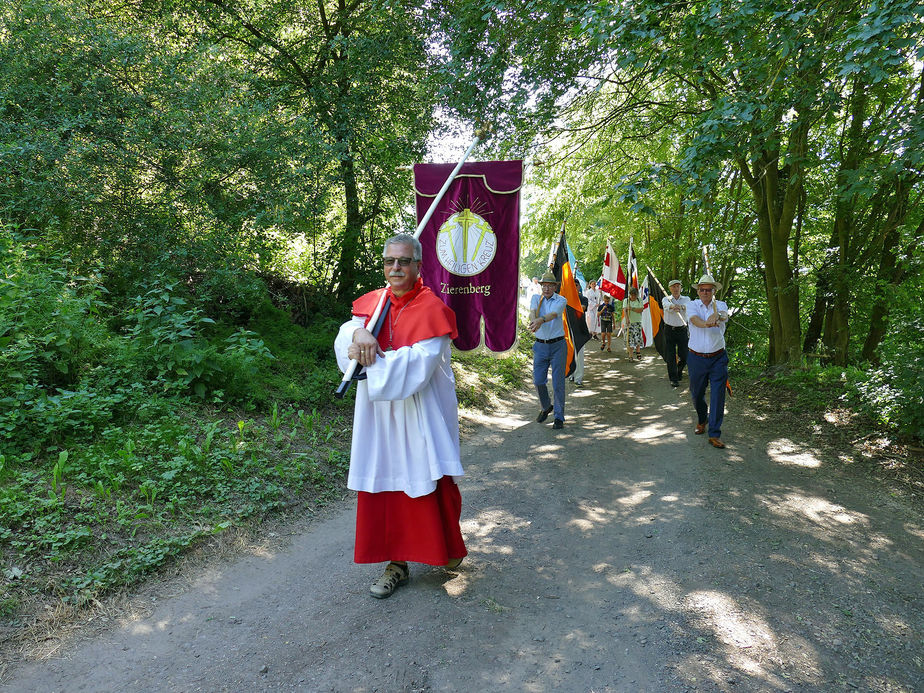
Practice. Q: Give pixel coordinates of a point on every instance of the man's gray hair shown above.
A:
(408, 239)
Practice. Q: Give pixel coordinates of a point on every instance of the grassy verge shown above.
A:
(95, 519)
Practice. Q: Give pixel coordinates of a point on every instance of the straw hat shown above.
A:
(548, 278)
(707, 279)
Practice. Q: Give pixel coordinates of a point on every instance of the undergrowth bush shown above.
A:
(893, 392)
(169, 339)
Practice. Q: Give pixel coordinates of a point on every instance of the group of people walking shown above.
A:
(695, 340)
(601, 319)
(405, 455)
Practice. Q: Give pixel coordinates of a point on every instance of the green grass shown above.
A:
(92, 514)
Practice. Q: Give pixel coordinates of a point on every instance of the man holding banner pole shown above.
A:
(549, 350)
(405, 452)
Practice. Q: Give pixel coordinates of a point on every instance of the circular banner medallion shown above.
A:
(465, 244)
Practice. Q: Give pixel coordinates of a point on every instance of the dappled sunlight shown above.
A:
(784, 451)
(262, 552)
(749, 642)
(648, 432)
(733, 633)
(914, 530)
(635, 498)
(732, 625)
(658, 589)
(143, 628)
(458, 584)
(505, 423)
(547, 451)
(893, 625)
(593, 516)
(819, 511)
(208, 580)
(480, 531)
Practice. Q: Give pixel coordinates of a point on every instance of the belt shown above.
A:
(550, 341)
(707, 356)
(676, 327)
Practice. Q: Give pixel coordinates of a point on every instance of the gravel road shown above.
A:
(622, 553)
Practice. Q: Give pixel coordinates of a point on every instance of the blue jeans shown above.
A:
(545, 355)
(714, 373)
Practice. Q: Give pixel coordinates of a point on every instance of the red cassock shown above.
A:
(390, 525)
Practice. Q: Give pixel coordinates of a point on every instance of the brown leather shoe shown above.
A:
(716, 443)
(700, 429)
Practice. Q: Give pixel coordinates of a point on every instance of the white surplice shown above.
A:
(406, 421)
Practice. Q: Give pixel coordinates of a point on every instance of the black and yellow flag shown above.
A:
(576, 332)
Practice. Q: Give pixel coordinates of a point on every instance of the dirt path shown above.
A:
(620, 554)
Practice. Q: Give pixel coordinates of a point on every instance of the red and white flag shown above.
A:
(612, 281)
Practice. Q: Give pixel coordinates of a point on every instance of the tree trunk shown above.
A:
(353, 227)
(844, 220)
(776, 192)
(819, 310)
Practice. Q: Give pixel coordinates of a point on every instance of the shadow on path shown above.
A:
(622, 553)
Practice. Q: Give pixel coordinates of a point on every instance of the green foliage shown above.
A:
(482, 377)
(893, 392)
(141, 494)
(167, 337)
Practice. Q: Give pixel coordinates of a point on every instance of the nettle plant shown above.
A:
(169, 338)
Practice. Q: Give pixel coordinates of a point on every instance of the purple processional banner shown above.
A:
(471, 247)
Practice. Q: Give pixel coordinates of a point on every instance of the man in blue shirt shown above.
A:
(546, 321)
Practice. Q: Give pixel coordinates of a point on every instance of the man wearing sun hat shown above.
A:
(707, 360)
(546, 313)
(675, 320)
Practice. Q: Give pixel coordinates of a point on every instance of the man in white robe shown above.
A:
(405, 451)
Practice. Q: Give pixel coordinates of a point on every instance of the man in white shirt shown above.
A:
(405, 454)
(676, 337)
(707, 359)
(546, 321)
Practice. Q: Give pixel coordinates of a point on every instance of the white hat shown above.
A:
(674, 281)
(707, 279)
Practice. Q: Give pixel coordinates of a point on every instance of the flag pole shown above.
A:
(374, 318)
(715, 296)
(660, 286)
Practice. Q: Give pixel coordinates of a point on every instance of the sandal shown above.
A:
(394, 576)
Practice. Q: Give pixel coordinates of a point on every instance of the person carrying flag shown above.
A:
(549, 350)
(632, 308)
(677, 337)
(707, 359)
(405, 452)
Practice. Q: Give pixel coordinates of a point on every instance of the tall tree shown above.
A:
(760, 79)
(359, 73)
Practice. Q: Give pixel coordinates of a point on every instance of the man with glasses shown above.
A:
(707, 360)
(405, 451)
